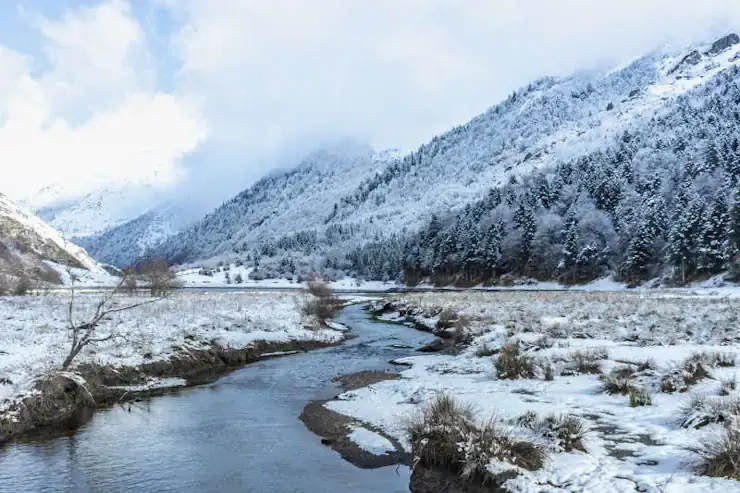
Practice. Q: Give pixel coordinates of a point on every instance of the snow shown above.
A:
(155, 383)
(628, 449)
(34, 338)
(193, 278)
(370, 441)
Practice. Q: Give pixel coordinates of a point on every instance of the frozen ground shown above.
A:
(34, 335)
(629, 448)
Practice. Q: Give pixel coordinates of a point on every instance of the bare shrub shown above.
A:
(129, 284)
(721, 457)
(21, 285)
(160, 278)
(512, 364)
(320, 301)
(640, 396)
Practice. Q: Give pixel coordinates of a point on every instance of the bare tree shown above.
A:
(160, 277)
(320, 301)
(129, 281)
(84, 334)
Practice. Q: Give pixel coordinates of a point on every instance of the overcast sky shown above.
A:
(217, 92)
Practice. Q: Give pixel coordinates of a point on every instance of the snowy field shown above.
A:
(644, 338)
(34, 335)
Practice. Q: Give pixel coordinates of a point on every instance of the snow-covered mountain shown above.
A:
(280, 204)
(124, 244)
(29, 245)
(106, 207)
(678, 102)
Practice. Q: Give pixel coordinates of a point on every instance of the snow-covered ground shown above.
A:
(35, 339)
(194, 278)
(629, 448)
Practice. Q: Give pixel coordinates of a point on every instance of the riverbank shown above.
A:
(156, 348)
(650, 376)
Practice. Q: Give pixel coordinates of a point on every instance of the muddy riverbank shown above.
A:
(66, 399)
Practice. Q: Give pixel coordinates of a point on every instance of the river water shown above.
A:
(238, 434)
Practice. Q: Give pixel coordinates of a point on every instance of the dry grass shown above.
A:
(721, 456)
(700, 411)
(566, 432)
(512, 363)
(445, 435)
(640, 396)
(728, 386)
(616, 384)
(587, 361)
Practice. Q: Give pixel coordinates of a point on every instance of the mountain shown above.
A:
(281, 203)
(28, 245)
(582, 139)
(105, 207)
(125, 243)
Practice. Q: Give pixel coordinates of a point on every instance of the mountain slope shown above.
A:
(552, 121)
(28, 244)
(124, 244)
(661, 201)
(279, 204)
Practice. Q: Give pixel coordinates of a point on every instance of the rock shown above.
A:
(609, 106)
(692, 58)
(723, 43)
(634, 93)
(433, 347)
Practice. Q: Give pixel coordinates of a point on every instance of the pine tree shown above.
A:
(682, 244)
(639, 255)
(733, 239)
(493, 246)
(525, 222)
(570, 247)
(713, 240)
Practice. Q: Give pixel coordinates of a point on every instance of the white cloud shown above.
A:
(262, 79)
(93, 116)
(398, 71)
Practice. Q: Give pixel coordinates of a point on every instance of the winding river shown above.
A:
(238, 434)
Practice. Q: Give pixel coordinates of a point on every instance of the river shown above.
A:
(238, 434)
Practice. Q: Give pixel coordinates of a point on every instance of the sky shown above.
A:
(205, 96)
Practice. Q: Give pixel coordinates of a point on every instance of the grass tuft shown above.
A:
(444, 435)
(587, 361)
(512, 363)
(640, 397)
(720, 457)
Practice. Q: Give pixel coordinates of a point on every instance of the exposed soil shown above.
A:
(334, 428)
(62, 403)
(361, 379)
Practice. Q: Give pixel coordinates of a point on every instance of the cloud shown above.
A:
(252, 84)
(92, 116)
(396, 72)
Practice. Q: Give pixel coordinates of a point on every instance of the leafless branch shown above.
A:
(84, 334)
